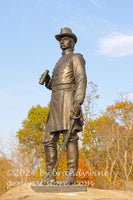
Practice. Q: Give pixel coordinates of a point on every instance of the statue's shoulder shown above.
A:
(78, 56)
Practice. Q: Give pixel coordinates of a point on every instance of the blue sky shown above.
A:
(27, 28)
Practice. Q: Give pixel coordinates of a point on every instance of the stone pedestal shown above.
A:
(58, 188)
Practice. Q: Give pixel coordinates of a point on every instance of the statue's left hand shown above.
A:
(76, 109)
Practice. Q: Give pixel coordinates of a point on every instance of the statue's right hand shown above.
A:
(47, 80)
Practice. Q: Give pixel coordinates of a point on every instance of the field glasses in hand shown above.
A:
(44, 77)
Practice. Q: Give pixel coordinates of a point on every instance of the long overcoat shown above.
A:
(68, 84)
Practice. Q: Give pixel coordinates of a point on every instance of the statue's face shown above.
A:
(65, 43)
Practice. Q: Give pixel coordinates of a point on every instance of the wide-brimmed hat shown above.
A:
(66, 32)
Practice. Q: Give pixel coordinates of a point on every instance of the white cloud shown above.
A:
(116, 45)
(128, 96)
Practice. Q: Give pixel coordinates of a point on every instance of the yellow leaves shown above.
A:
(122, 112)
(120, 108)
(107, 143)
(5, 166)
(32, 133)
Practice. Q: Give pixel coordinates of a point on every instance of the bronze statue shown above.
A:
(68, 85)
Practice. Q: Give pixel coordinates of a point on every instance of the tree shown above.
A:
(33, 129)
(107, 143)
(122, 112)
(5, 166)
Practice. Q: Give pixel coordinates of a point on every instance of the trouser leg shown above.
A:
(72, 154)
(50, 147)
(50, 157)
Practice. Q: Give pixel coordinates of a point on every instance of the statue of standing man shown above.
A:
(68, 85)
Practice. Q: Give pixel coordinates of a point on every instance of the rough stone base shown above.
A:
(129, 186)
(25, 192)
(58, 188)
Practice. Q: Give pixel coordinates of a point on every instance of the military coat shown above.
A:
(68, 84)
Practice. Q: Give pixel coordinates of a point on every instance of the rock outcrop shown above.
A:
(26, 193)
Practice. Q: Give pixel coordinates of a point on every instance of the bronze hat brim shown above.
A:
(59, 36)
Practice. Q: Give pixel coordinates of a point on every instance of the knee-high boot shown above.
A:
(50, 147)
(50, 158)
(72, 162)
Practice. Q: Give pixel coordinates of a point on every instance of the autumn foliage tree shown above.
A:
(107, 143)
(5, 167)
(33, 129)
(122, 142)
